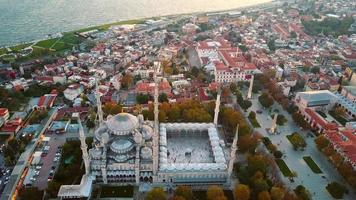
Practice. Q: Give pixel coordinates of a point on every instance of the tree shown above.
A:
(185, 192)
(302, 193)
(30, 193)
(278, 154)
(156, 194)
(233, 87)
(162, 116)
(195, 71)
(53, 188)
(340, 111)
(264, 195)
(143, 98)
(260, 185)
(321, 142)
(315, 70)
(215, 192)
(126, 81)
(247, 143)
(281, 120)
(336, 190)
(277, 193)
(265, 100)
(256, 163)
(112, 108)
(252, 115)
(242, 192)
(300, 121)
(293, 34)
(162, 98)
(246, 104)
(271, 45)
(174, 113)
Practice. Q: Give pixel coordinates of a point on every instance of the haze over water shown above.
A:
(27, 20)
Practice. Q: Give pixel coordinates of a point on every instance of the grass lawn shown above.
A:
(71, 38)
(46, 43)
(296, 140)
(107, 26)
(254, 123)
(9, 57)
(284, 168)
(117, 191)
(59, 46)
(3, 51)
(20, 47)
(313, 166)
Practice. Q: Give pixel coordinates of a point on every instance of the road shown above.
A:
(315, 183)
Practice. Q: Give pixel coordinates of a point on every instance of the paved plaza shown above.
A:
(315, 183)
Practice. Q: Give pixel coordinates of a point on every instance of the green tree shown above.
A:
(162, 98)
(271, 45)
(195, 71)
(246, 104)
(233, 87)
(156, 194)
(30, 193)
(143, 98)
(281, 120)
(293, 34)
(53, 188)
(336, 190)
(252, 115)
(256, 163)
(265, 100)
(242, 192)
(315, 70)
(302, 193)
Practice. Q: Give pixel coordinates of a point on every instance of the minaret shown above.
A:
(233, 153)
(249, 94)
(156, 125)
(273, 128)
(98, 102)
(217, 107)
(83, 144)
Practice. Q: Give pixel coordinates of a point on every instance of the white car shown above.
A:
(38, 167)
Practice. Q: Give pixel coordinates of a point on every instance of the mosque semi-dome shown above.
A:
(121, 145)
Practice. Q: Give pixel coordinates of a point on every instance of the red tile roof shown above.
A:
(3, 111)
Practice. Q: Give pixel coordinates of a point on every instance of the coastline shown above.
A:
(105, 26)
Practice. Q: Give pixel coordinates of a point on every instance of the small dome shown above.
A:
(146, 153)
(147, 132)
(122, 146)
(137, 137)
(122, 124)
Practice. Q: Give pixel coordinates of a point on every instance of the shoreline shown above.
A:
(127, 21)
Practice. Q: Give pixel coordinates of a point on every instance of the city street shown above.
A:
(315, 183)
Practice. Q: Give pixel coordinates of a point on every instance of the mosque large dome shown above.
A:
(122, 123)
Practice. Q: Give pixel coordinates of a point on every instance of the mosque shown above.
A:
(127, 150)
